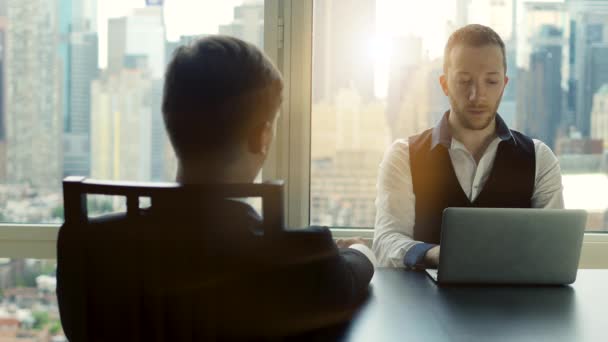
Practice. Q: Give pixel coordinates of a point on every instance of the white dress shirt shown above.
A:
(395, 201)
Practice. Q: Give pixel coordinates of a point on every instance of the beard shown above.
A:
(474, 121)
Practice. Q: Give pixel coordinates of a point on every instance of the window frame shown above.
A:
(288, 42)
(39, 241)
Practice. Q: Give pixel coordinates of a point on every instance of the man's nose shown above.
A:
(476, 93)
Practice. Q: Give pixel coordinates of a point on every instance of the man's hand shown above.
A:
(345, 243)
(431, 258)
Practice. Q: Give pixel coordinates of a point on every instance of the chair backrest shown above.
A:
(76, 189)
(124, 274)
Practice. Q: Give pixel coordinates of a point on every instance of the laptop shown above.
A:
(509, 246)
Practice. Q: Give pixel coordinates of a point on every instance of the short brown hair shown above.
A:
(474, 35)
(213, 91)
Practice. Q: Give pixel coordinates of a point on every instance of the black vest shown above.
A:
(436, 187)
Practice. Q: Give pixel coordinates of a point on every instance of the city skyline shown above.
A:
(110, 125)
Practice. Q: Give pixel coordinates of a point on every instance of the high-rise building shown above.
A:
(65, 24)
(33, 105)
(78, 50)
(171, 46)
(462, 13)
(405, 60)
(508, 104)
(162, 159)
(83, 70)
(130, 99)
(342, 55)
(599, 116)
(248, 23)
(590, 51)
(3, 27)
(423, 102)
(596, 77)
(497, 14)
(540, 106)
(348, 146)
(121, 126)
(142, 33)
(534, 16)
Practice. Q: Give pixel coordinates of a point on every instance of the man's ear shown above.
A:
(443, 81)
(260, 138)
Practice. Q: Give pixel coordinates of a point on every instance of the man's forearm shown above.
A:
(390, 248)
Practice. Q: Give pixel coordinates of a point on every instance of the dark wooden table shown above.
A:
(408, 306)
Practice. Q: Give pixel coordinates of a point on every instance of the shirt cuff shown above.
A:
(366, 251)
(415, 255)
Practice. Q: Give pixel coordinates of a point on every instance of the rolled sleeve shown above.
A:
(415, 255)
(395, 207)
(548, 188)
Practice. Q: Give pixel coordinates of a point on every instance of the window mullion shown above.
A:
(290, 157)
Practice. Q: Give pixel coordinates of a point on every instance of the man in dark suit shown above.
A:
(220, 105)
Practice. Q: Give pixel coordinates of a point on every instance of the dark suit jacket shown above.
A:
(201, 275)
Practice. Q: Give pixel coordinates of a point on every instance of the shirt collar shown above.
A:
(441, 132)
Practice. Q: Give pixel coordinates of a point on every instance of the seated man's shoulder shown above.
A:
(400, 145)
(400, 148)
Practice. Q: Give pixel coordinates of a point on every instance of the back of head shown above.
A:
(217, 89)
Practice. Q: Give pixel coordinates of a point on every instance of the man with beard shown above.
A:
(469, 159)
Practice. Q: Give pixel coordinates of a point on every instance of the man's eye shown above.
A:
(492, 82)
(464, 81)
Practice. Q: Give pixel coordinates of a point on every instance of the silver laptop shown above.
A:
(509, 246)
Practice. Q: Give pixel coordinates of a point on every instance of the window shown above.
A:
(83, 85)
(82, 97)
(375, 71)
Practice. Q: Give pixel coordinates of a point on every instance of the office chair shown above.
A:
(184, 269)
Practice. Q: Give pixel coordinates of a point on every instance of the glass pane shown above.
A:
(376, 68)
(82, 88)
(28, 304)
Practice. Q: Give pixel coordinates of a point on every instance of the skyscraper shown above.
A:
(350, 139)
(33, 112)
(508, 104)
(406, 59)
(83, 70)
(462, 12)
(161, 164)
(137, 56)
(541, 102)
(142, 33)
(78, 50)
(599, 116)
(342, 55)
(121, 119)
(422, 101)
(497, 14)
(3, 27)
(248, 23)
(590, 48)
